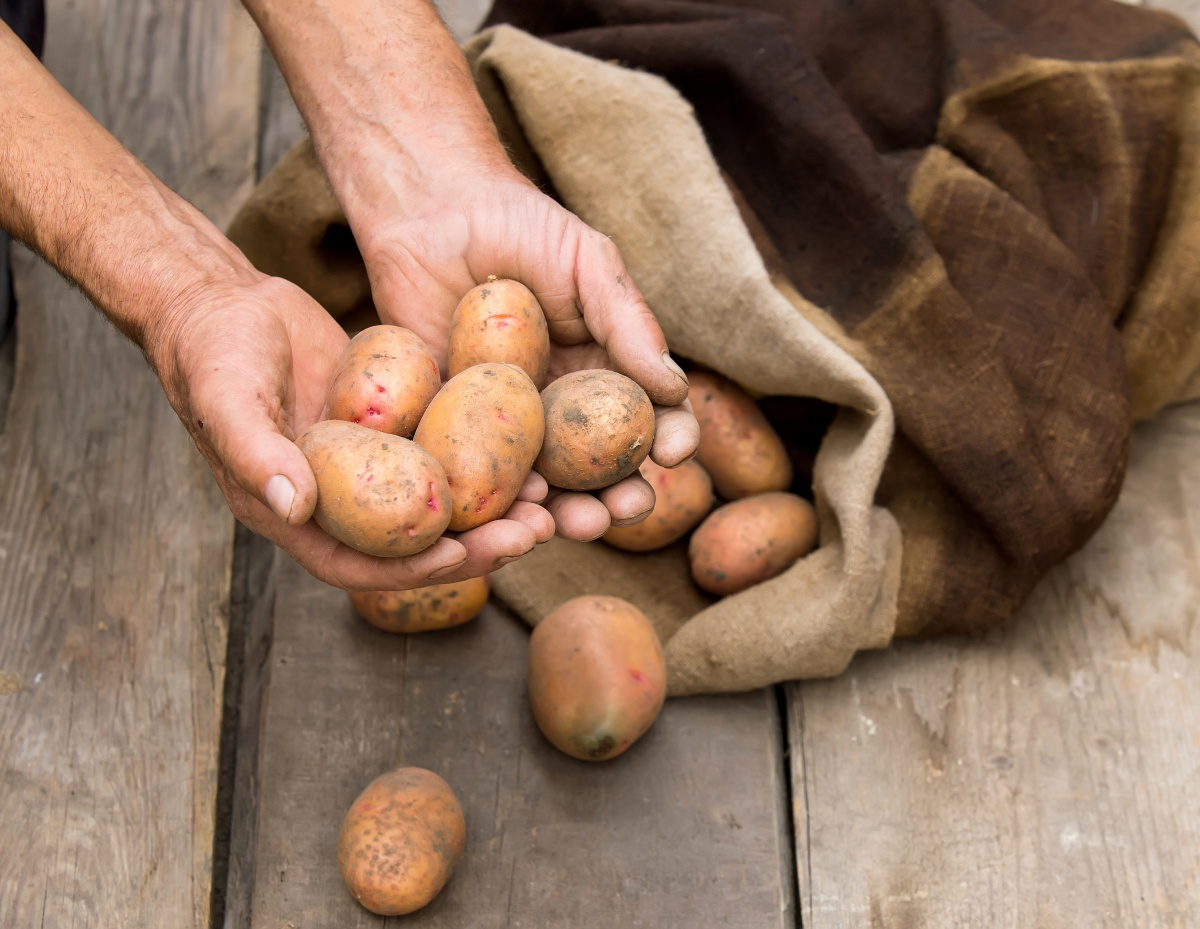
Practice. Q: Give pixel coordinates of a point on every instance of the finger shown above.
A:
(628, 501)
(491, 546)
(534, 489)
(341, 566)
(619, 319)
(578, 515)
(676, 434)
(536, 517)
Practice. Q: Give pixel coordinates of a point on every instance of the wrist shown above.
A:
(389, 100)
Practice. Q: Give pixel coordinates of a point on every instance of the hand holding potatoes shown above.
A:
(487, 221)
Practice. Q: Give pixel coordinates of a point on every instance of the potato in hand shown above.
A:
(378, 493)
(485, 428)
(599, 429)
(385, 378)
(501, 321)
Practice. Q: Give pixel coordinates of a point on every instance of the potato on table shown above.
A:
(401, 840)
(738, 447)
(597, 677)
(485, 428)
(385, 378)
(378, 493)
(500, 320)
(599, 429)
(750, 540)
(425, 609)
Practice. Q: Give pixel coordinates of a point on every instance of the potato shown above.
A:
(401, 840)
(485, 428)
(378, 493)
(682, 497)
(738, 447)
(749, 540)
(438, 606)
(500, 320)
(597, 678)
(385, 378)
(599, 429)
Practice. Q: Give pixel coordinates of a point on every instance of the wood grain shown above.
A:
(114, 542)
(684, 829)
(1040, 777)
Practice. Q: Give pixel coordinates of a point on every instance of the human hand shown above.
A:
(496, 222)
(436, 206)
(247, 368)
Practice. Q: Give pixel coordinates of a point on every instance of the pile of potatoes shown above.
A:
(760, 530)
(400, 458)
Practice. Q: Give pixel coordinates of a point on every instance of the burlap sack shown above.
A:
(966, 285)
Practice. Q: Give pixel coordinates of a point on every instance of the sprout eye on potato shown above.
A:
(385, 378)
(597, 677)
(599, 429)
(485, 429)
(380, 494)
(500, 321)
(401, 840)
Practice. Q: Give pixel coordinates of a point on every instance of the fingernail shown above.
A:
(671, 365)
(280, 494)
(507, 559)
(442, 572)
(631, 520)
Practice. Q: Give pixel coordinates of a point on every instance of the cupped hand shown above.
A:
(247, 367)
(494, 221)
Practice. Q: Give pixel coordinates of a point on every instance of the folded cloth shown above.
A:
(980, 216)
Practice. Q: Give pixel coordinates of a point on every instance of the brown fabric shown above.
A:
(997, 202)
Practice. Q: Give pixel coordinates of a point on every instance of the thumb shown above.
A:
(619, 319)
(260, 458)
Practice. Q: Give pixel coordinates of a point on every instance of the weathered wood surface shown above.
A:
(114, 542)
(684, 829)
(1043, 776)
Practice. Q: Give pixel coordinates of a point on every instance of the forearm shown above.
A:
(388, 98)
(76, 196)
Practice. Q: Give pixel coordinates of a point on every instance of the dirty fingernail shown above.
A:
(507, 559)
(631, 520)
(280, 494)
(671, 365)
(442, 572)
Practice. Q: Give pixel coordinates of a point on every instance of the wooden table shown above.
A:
(185, 715)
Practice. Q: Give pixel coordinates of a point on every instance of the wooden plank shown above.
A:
(1042, 776)
(114, 542)
(684, 829)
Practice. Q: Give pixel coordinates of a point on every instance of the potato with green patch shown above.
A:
(485, 428)
(597, 677)
(738, 447)
(682, 497)
(500, 320)
(378, 493)
(385, 378)
(401, 840)
(425, 609)
(750, 540)
(599, 429)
